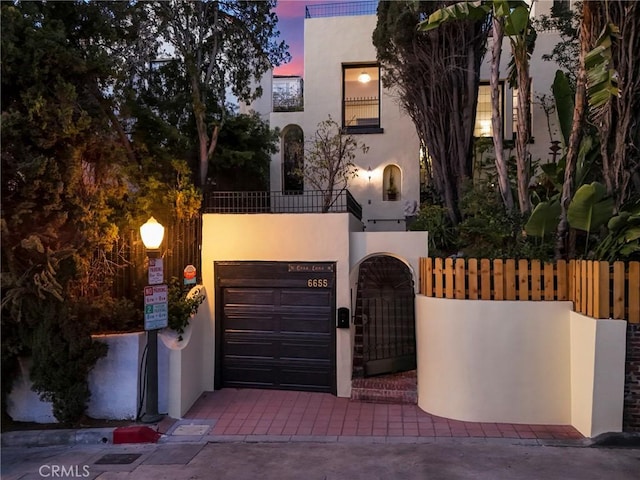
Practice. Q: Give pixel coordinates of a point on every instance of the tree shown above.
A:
(328, 161)
(436, 78)
(222, 46)
(243, 155)
(606, 92)
(510, 18)
(64, 180)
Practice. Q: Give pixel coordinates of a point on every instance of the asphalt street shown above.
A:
(355, 459)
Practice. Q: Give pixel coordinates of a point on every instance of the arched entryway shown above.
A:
(385, 340)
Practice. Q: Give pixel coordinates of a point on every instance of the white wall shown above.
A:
(186, 363)
(520, 362)
(114, 383)
(489, 361)
(597, 380)
(294, 237)
(408, 246)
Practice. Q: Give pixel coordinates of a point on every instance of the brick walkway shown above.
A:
(275, 412)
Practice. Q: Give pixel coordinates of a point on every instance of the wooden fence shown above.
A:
(180, 248)
(597, 289)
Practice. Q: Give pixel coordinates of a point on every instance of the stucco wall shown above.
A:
(186, 366)
(597, 374)
(114, 383)
(330, 43)
(407, 246)
(520, 362)
(295, 237)
(494, 361)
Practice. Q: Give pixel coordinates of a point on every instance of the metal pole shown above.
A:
(151, 402)
(151, 405)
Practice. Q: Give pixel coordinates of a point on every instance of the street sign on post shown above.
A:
(156, 271)
(156, 307)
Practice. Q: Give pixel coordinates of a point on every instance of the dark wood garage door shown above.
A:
(276, 325)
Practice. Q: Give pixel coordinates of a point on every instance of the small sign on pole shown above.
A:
(156, 307)
(156, 271)
(189, 275)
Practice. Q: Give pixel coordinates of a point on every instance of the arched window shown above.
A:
(292, 159)
(391, 183)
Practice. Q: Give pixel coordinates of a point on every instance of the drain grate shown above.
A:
(118, 459)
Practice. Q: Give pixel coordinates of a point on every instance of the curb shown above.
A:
(105, 436)
(46, 438)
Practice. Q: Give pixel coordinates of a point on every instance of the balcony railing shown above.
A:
(362, 112)
(367, 7)
(308, 201)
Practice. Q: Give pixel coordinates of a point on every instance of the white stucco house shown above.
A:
(305, 300)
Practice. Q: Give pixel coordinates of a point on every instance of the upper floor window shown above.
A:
(292, 159)
(287, 94)
(483, 127)
(361, 98)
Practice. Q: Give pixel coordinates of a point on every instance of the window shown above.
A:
(292, 158)
(560, 5)
(515, 112)
(391, 183)
(483, 127)
(287, 94)
(361, 98)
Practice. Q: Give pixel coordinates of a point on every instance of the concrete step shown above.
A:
(399, 388)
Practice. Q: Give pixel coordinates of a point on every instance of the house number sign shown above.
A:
(310, 267)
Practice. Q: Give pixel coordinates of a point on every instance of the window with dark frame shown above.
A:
(361, 98)
(292, 156)
(483, 126)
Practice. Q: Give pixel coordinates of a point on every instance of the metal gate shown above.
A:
(385, 310)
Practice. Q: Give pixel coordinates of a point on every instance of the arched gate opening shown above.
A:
(385, 340)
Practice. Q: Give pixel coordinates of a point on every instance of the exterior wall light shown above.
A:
(369, 173)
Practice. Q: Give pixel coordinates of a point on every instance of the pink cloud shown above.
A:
(290, 8)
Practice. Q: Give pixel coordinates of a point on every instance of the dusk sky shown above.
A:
(291, 25)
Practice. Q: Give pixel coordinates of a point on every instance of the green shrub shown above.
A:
(488, 230)
(63, 354)
(442, 233)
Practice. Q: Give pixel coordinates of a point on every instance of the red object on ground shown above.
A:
(135, 434)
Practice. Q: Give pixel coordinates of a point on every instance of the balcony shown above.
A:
(287, 94)
(308, 201)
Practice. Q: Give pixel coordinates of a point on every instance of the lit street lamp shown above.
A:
(155, 299)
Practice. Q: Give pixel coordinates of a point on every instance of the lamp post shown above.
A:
(152, 234)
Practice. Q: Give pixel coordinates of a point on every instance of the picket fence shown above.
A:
(597, 289)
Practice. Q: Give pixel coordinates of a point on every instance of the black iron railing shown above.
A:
(362, 112)
(367, 7)
(308, 201)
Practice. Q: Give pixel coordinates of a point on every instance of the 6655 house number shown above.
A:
(318, 283)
